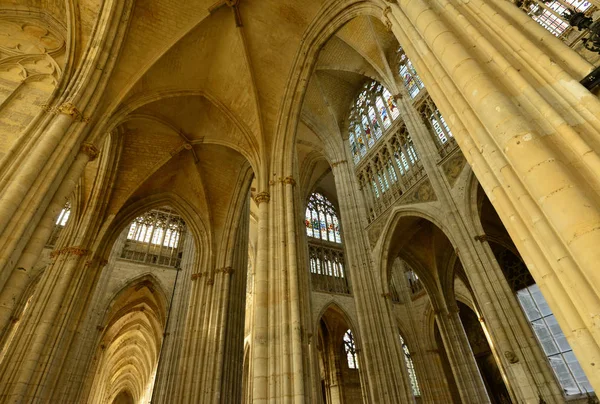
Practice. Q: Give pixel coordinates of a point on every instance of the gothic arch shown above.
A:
(129, 346)
(384, 259)
(333, 305)
(333, 17)
(198, 230)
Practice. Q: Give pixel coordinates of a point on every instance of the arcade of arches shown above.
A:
(316, 201)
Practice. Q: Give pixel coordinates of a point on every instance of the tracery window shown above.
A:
(155, 238)
(410, 367)
(409, 75)
(350, 349)
(373, 112)
(321, 220)
(61, 222)
(326, 255)
(550, 13)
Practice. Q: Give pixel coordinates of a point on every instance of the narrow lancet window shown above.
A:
(350, 349)
(410, 368)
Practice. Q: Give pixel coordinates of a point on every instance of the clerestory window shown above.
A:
(155, 238)
(373, 113)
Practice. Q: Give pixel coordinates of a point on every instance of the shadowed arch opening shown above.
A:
(128, 351)
(338, 358)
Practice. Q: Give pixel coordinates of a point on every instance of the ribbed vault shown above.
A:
(128, 352)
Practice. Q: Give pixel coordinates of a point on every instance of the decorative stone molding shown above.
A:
(480, 238)
(386, 295)
(337, 163)
(511, 357)
(289, 180)
(210, 281)
(68, 108)
(197, 275)
(226, 270)
(77, 251)
(386, 19)
(262, 197)
(453, 167)
(90, 150)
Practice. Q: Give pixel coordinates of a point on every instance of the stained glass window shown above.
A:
(410, 367)
(350, 349)
(321, 220)
(409, 75)
(373, 112)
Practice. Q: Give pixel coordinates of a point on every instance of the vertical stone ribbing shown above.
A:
(509, 146)
(380, 347)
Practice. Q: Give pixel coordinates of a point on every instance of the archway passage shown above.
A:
(338, 359)
(128, 352)
(124, 397)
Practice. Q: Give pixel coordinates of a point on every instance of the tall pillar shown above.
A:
(380, 344)
(429, 371)
(464, 367)
(541, 174)
(260, 307)
(510, 333)
(168, 370)
(20, 277)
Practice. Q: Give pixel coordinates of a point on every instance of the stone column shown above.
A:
(466, 373)
(20, 277)
(542, 175)
(168, 370)
(32, 367)
(260, 307)
(508, 334)
(380, 345)
(429, 372)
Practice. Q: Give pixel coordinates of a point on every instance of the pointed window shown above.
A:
(155, 238)
(409, 75)
(410, 368)
(350, 349)
(321, 220)
(373, 112)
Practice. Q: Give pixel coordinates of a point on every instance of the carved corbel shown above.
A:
(90, 150)
(262, 197)
(386, 19)
(289, 180)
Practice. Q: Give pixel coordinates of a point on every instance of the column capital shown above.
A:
(77, 251)
(289, 180)
(225, 270)
(67, 108)
(262, 197)
(90, 150)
